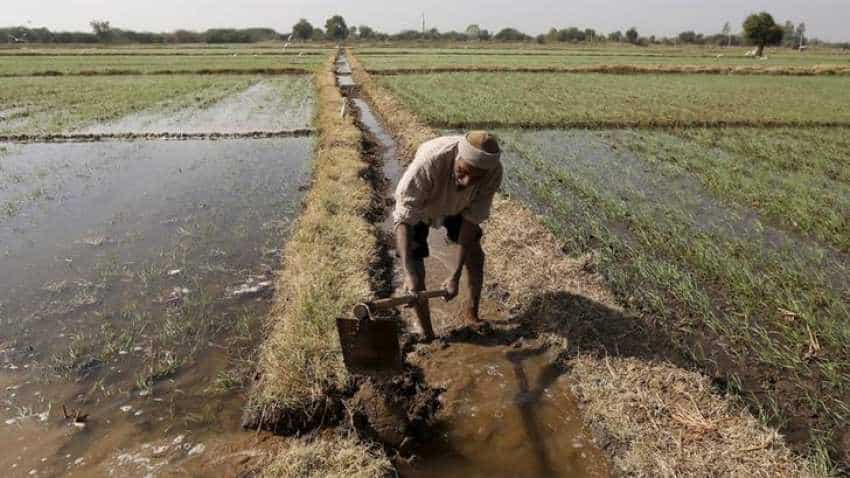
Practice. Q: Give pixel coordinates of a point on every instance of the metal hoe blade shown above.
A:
(370, 346)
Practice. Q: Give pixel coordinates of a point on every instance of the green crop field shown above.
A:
(552, 99)
(799, 178)
(53, 105)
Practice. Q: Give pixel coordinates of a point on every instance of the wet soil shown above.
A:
(502, 410)
(136, 276)
(260, 107)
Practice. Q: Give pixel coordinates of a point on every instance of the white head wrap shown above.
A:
(475, 157)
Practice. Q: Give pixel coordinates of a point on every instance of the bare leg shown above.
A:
(414, 275)
(423, 311)
(474, 266)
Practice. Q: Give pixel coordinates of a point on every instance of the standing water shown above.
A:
(135, 277)
(507, 410)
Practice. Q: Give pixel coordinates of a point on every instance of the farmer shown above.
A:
(450, 183)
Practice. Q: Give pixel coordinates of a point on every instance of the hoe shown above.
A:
(370, 344)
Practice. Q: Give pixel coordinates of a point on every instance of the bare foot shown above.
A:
(471, 317)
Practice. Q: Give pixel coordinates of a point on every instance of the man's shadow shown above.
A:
(589, 327)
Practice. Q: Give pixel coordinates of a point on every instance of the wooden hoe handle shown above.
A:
(362, 311)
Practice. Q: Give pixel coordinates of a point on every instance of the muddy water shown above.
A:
(134, 281)
(505, 411)
(260, 107)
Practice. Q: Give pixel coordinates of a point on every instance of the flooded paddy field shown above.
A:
(136, 276)
(182, 103)
(747, 296)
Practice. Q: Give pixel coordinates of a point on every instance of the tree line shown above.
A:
(758, 29)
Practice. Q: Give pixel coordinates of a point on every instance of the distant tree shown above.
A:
(689, 36)
(571, 34)
(727, 32)
(552, 35)
(352, 31)
(303, 30)
(407, 35)
(789, 34)
(335, 28)
(485, 35)
(632, 35)
(318, 34)
(801, 34)
(366, 32)
(616, 36)
(762, 30)
(473, 32)
(511, 34)
(589, 34)
(101, 30)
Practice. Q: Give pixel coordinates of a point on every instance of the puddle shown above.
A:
(134, 282)
(260, 107)
(503, 414)
(506, 412)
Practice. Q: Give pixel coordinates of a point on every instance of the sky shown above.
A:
(825, 19)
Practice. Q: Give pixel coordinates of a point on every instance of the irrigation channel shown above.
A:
(135, 279)
(506, 408)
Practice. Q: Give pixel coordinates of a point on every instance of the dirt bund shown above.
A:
(295, 53)
(201, 71)
(97, 137)
(819, 70)
(640, 124)
(649, 417)
(303, 386)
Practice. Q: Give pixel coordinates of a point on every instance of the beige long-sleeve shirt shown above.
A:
(427, 191)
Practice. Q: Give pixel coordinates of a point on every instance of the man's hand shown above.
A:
(451, 287)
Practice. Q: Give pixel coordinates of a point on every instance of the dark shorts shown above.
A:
(421, 230)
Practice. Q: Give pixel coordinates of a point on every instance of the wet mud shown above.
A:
(136, 276)
(260, 107)
(502, 410)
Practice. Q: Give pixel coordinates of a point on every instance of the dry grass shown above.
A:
(337, 458)
(651, 418)
(665, 421)
(325, 270)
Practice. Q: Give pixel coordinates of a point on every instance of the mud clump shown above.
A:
(395, 411)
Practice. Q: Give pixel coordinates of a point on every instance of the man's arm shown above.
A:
(470, 231)
(469, 236)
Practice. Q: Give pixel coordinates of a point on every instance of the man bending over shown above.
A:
(450, 183)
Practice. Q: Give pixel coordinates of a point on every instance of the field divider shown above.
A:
(171, 136)
(648, 124)
(817, 70)
(295, 53)
(201, 71)
(302, 380)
